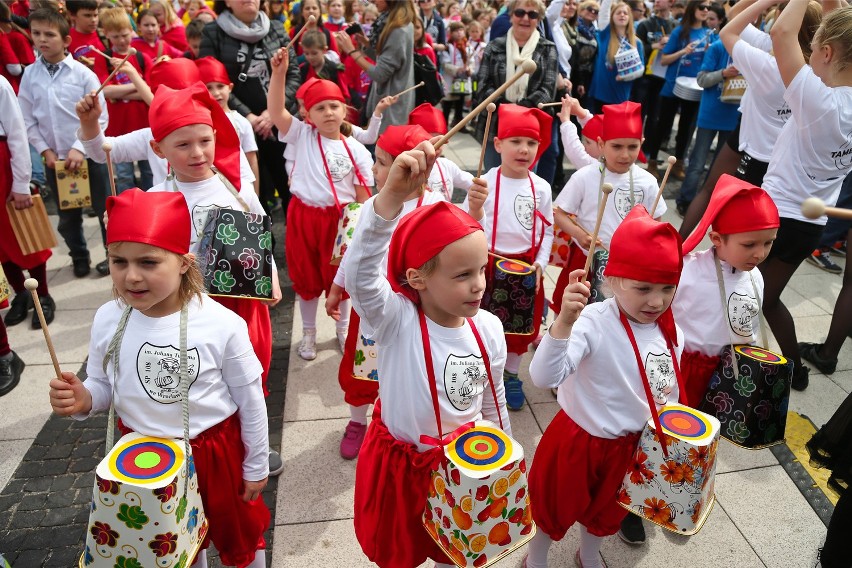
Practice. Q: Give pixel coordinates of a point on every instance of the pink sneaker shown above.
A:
(353, 437)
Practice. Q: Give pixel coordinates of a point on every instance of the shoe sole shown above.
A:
(821, 367)
(831, 270)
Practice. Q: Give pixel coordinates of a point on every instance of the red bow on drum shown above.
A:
(448, 439)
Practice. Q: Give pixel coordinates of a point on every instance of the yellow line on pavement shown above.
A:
(799, 431)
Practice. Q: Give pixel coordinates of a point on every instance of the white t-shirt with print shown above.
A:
(446, 175)
(600, 385)
(707, 326)
(309, 179)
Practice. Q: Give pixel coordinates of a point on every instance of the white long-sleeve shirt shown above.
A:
(392, 321)
(574, 149)
(12, 127)
(446, 175)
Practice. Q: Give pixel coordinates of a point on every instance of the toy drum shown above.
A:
(596, 279)
(366, 363)
(628, 64)
(733, 89)
(235, 254)
(146, 509)
(511, 296)
(345, 231)
(748, 394)
(674, 491)
(560, 250)
(687, 88)
(478, 508)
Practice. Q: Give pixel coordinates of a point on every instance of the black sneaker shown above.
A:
(632, 531)
(82, 267)
(821, 258)
(682, 208)
(21, 304)
(10, 373)
(810, 351)
(48, 307)
(800, 378)
(102, 267)
(839, 249)
(276, 465)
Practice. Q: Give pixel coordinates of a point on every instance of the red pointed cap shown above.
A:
(622, 121)
(430, 118)
(160, 219)
(639, 238)
(174, 73)
(736, 206)
(211, 70)
(515, 120)
(322, 90)
(300, 92)
(594, 128)
(173, 109)
(398, 139)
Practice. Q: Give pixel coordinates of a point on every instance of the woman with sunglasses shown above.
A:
(683, 54)
(617, 35)
(585, 49)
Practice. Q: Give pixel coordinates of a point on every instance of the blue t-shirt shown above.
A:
(604, 87)
(713, 114)
(688, 65)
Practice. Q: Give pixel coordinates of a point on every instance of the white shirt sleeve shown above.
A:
(459, 177)
(12, 125)
(27, 103)
(551, 365)
(574, 149)
(371, 134)
(254, 429)
(130, 147)
(757, 38)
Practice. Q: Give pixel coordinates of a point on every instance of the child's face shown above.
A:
(220, 93)
(277, 7)
(475, 33)
(194, 44)
(149, 29)
(620, 153)
(746, 250)
(381, 167)
(189, 151)
(315, 56)
(128, 6)
(642, 302)
(194, 7)
(147, 277)
(516, 155)
(457, 35)
(369, 18)
(592, 147)
(311, 8)
(454, 290)
(335, 9)
(158, 12)
(327, 116)
(48, 41)
(120, 39)
(418, 31)
(86, 21)
(621, 17)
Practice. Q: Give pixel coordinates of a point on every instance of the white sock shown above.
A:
(200, 559)
(308, 309)
(513, 363)
(590, 549)
(259, 560)
(358, 413)
(343, 323)
(538, 549)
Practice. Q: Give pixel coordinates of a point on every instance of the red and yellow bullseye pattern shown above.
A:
(762, 355)
(146, 460)
(481, 448)
(686, 423)
(514, 267)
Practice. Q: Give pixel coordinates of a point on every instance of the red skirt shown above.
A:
(575, 478)
(311, 232)
(576, 261)
(391, 488)
(356, 392)
(9, 248)
(236, 527)
(697, 370)
(256, 315)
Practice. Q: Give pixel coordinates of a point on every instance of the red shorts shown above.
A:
(256, 315)
(576, 261)
(10, 250)
(696, 370)
(311, 232)
(236, 527)
(575, 478)
(391, 488)
(356, 392)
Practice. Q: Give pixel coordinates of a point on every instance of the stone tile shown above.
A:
(819, 401)
(24, 410)
(90, 292)
(800, 306)
(843, 379)
(821, 289)
(733, 458)
(770, 511)
(318, 544)
(70, 333)
(814, 330)
(544, 412)
(11, 454)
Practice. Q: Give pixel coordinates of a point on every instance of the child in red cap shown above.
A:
(329, 172)
(426, 320)
(604, 361)
(581, 150)
(743, 222)
(517, 218)
(162, 313)
(446, 175)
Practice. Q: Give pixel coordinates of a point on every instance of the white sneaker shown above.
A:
(308, 346)
(341, 338)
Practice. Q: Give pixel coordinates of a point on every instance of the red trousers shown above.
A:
(697, 370)
(576, 261)
(256, 315)
(311, 232)
(575, 478)
(356, 392)
(9, 248)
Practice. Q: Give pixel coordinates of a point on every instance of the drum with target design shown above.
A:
(748, 394)
(672, 477)
(478, 508)
(510, 296)
(146, 509)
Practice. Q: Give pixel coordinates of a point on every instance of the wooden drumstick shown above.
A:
(107, 147)
(545, 105)
(526, 67)
(31, 284)
(814, 208)
(606, 190)
(131, 51)
(99, 52)
(491, 108)
(671, 162)
(500, 257)
(296, 37)
(409, 89)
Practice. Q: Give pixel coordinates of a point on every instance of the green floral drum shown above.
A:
(235, 254)
(146, 511)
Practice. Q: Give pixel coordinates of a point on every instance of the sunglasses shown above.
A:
(594, 11)
(704, 7)
(531, 14)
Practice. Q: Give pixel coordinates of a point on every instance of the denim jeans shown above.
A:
(837, 229)
(697, 159)
(38, 167)
(125, 178)
(71, 220)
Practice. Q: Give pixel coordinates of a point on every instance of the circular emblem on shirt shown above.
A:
(661, 376)
(742, 310)
(622, 201)
(158, 369)
(524, 211)
(464, 379)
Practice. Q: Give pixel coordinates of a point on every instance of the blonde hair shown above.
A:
(169, 15)
(400, 14)
(191, 281)
(614, 42)
(539, 6)
(114, 20)
(836, 31)
(809, 27)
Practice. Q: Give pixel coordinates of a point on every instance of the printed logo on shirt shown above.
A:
(464, 379)
(843, 156)
(199, 216)
(742, 309)
(438, 187)
(661, 376)
(158, 369)
(339, 165)
(622, 202)
(524, 211)
(784, 112)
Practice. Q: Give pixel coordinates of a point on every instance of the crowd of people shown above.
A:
(303, 112)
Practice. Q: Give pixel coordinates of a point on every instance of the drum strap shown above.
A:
(443, 180)
(433, 388)
(630, 178)
(225, 181)
(533, 246)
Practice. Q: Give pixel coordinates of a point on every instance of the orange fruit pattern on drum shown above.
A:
(478, 542)
(499, 534)
(500, 487)
(462, 519)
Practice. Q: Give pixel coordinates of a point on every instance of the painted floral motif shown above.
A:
(263, 286)
(134, 517)
(744, 385)
(737, 431)
(367, 342)
(250, 259)
(359, 357)
(191, 462)
(373, 375)
(183, 561)
(192, 521)
(108, 486)
(181, 509)
(223, 280)
(104, 534)
(163, 544)
(639, 472)
(264, 241)
(87, 557)
(228, 234)
(660, 512)
(723, 403)
(698, 456)
(124, 562)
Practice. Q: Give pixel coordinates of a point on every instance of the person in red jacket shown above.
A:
(84, 36)
(172, 30)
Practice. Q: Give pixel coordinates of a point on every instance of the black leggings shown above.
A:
(835, 552)
(669, 107)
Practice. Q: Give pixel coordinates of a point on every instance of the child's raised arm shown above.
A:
(276, 102)
(89, 112)
(785, 44)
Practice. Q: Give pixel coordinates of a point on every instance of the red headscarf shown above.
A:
(429, 117)
(594, 128)
(211, 70)
(515, 120)
(160, 219)
(420, 236)
(622, 121)
(177, 73)
(398, 139)
(322, 90)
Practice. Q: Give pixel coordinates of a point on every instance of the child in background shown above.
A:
(584, 149)
(336, 21)
(84, 36)
(159, 301)
(457, 70)
(213, 74)
(421, 46)
(331, 171)
(446, 175)
(521, 229)
(475, 48)
(592, 357)
(149, 41)
(744, 223)
(425, 309)
(171, 28)
(316, 64)
(193, 38)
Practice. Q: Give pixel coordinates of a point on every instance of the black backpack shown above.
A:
(432, 90)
